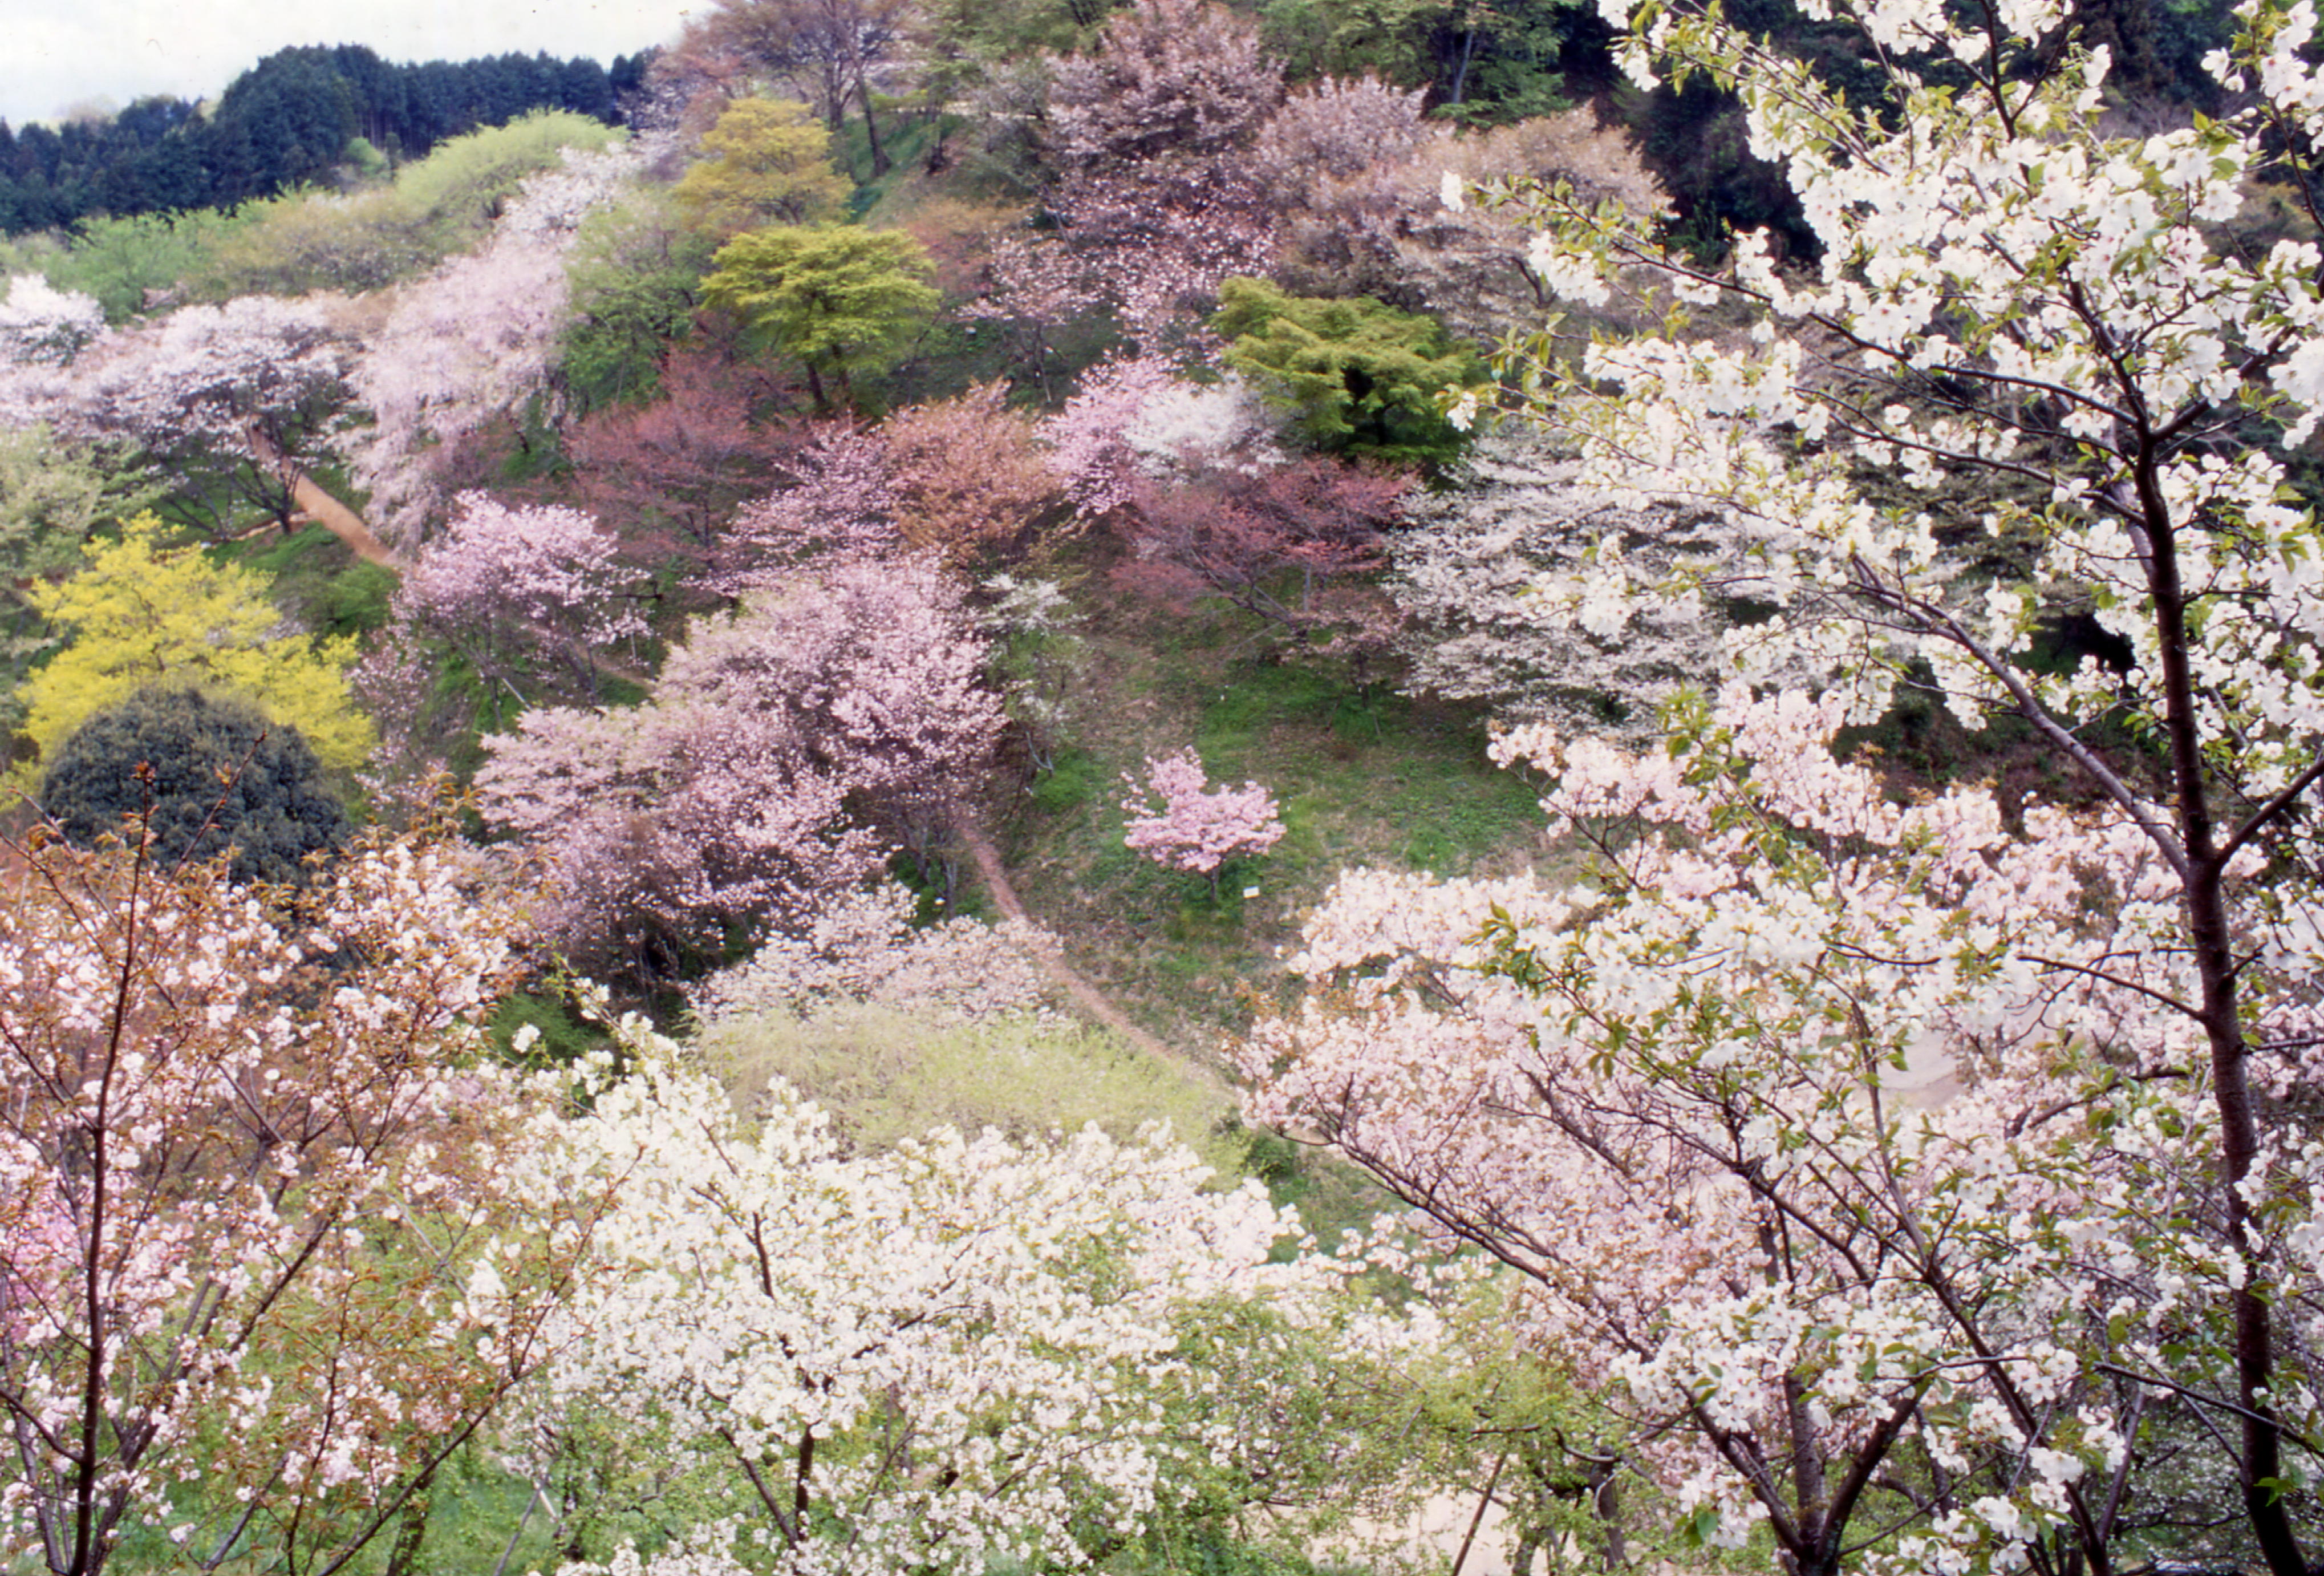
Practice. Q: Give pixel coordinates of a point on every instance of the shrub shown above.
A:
(1357, 376)
(209, 775)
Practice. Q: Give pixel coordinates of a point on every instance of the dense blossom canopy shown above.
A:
(1688, 1095)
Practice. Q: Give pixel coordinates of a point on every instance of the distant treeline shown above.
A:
(291, 119)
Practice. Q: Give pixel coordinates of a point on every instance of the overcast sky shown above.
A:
(56, 53)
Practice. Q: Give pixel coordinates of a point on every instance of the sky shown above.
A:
(58, 53)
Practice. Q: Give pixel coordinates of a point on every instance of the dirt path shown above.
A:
(341, 521)
(324, 510)
(1088, 997)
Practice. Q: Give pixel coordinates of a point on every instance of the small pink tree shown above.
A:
(1199, 827)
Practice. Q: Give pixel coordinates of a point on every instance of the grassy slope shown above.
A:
(1364, 776)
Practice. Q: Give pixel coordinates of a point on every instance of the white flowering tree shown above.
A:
(472, 341)
(959, 1354)
(228, 401)
(1931, 1184)
(246, 1189)
(41, 324)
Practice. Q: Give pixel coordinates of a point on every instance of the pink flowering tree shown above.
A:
(1151, 129)
(840, 500)
(1090, 449)
(518, 590)
(1198, 827)
(788, 748)
(1932, 1183)
(1033, 289)
(1134, 421)
(474, 341)
(258, 1280)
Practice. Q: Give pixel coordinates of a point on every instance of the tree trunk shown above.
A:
(2261, 1467)
(880, 161)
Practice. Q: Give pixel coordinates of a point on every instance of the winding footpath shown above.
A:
(1086, 996)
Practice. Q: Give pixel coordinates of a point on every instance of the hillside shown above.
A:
(1159, 788)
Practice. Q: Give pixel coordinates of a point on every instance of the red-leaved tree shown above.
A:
(1267, 542)
(668, 475)
(969, 475)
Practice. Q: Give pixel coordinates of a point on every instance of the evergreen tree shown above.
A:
(207, 775)
(1357, 376)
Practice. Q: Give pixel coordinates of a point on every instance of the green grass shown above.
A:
(1362, 775)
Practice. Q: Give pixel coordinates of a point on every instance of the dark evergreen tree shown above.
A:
(209, 775)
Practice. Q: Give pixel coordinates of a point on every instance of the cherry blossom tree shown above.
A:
(1383, 228)
(787, 749)
(39, 323)
(229, 402)
(511, 589)
(2066, 1315)
(1198, 827)
(475, 340)
(1090, 445)
(247, 1294)
(969, 476)
(1039, 662)
(862, 947)
(1333, 130)
(1033, 289)
(841, 502)
(1497, 573)
(1166, 78)
(1134, 420)
(1149, 129)
(958, 1354)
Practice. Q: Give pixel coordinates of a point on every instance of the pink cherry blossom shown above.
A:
(1198, 827)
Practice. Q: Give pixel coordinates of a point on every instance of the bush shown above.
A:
(209, 776)
(1357, 377)
(888, 1074)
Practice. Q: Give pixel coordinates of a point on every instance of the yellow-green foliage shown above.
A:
(766, 161)
(835, 297)
(141, 613)
(443, 204)
(886, 1075)
(464, 181)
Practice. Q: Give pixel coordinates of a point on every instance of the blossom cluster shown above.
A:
(1198, 827)
(952, 1356)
